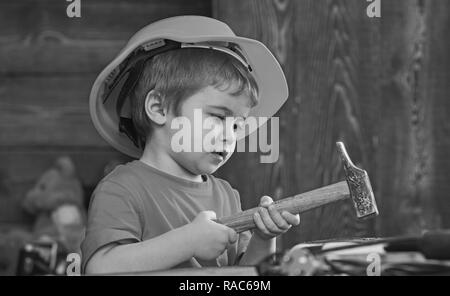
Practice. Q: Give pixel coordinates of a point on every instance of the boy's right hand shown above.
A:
(209, 239)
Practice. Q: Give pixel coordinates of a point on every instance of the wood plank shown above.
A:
(20, 169)
(100, 19)
(271, 24)
(381, 86)
(65, 55)
(44, 89)
(47, 111)
(404, 154)
(322, 55)
(42, 39)
(437, 88)
(332, 88)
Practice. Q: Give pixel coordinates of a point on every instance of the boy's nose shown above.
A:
(228, 135)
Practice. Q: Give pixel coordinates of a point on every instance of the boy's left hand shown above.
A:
(270, 222)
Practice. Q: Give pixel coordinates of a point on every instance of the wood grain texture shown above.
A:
(54, 53)
(38, 37)
(48, 63)
(319, 46)
(405, 157)
(47, 111)
(329, 61)
(379, 85)
(437, 88)
(100, 19)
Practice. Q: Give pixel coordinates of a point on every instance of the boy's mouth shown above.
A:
(223, 154)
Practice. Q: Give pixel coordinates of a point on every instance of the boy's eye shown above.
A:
(239, 124)
(221, 117)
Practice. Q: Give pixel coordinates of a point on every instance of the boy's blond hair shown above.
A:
(178, 74)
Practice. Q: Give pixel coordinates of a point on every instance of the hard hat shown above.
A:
(109, 94)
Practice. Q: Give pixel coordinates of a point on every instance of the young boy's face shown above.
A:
(215, 117)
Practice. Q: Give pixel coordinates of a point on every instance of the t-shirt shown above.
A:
(137, 202)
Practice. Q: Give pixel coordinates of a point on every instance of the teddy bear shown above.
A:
(57, 203)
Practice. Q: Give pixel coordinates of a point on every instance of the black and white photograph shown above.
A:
(241, 140)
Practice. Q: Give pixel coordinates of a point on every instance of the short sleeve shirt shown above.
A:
(137, 202)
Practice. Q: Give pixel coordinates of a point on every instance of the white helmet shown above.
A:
(108, 99)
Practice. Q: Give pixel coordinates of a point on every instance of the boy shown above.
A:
(158, 212)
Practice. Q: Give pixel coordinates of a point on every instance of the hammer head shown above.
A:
(359, 186)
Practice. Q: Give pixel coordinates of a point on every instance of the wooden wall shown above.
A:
(48, 63)
(380, 85)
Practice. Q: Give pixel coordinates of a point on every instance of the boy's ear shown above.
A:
(154, 107)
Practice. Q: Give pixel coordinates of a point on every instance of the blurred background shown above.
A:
(380, 85)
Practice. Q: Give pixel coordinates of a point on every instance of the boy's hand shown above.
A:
(270, 222)
(209, 239)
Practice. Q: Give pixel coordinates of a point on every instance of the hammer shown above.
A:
(356, 186)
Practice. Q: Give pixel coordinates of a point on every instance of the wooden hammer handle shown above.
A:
(295, 204)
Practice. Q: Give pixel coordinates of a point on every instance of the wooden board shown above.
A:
(55, 54)
(318, 47)
(410, 87)
(117, 19)
(438, 88)
(47, 111)
(379, 85)
(48, 64)
(40, 38)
